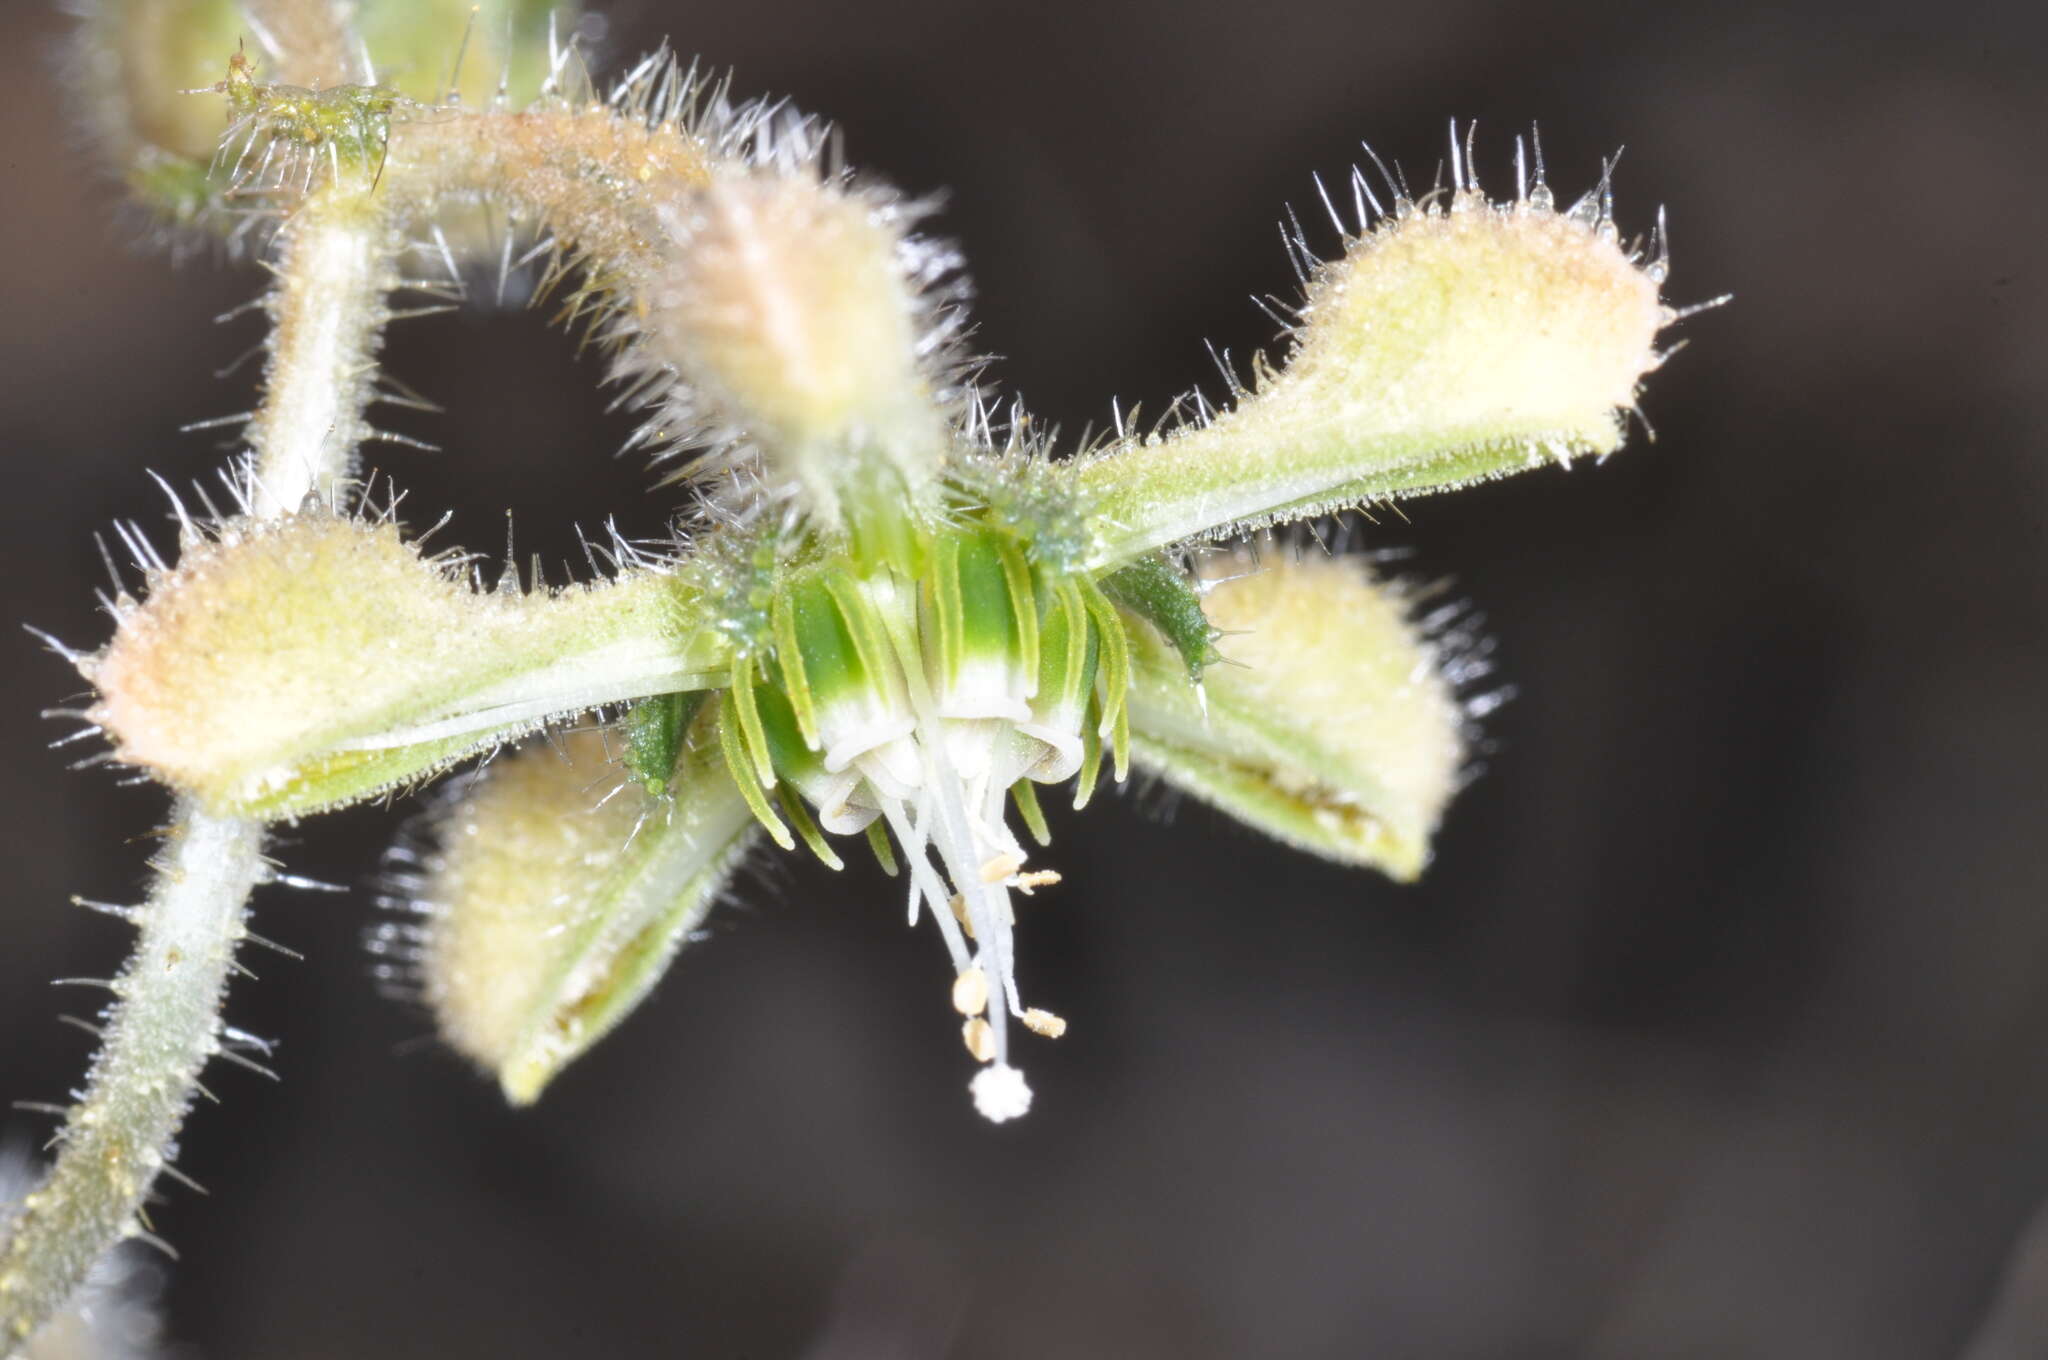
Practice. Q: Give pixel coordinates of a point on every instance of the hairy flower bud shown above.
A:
(796, 314)
(1335, 730)
(555, 894)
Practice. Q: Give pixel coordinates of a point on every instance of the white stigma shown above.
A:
(1000, 1093)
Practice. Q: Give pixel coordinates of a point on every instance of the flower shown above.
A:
(900, 613)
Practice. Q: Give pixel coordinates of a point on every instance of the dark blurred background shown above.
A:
(1719, 1028)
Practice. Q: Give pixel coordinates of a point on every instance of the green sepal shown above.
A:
(297, 664)
(1448, 344)
(339, 778)
(181, 192)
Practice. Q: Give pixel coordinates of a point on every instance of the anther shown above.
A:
(1044, 1023)
(959, 906)
(970, 994)
(980, 1039)
(1037, 878)
(1001, 867)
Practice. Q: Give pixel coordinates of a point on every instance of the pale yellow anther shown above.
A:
(1037, 878)
(959, 906)
(970, 992)
(980, 1039)
(1044, 1022)
(1001, 867)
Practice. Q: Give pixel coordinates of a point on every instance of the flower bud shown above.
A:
(793, 312)
(556, 893)
(1334, 730)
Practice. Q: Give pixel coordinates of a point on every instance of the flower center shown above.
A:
(914, 708)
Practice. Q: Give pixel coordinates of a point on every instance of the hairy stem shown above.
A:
(163, 1028)
(591, 177)
(328, 312)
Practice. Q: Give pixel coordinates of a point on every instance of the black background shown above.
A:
(1720, 1027)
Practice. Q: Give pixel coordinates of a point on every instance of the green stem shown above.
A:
(163, 1028)
(328, 313)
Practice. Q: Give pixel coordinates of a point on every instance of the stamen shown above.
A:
(1037, 878)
